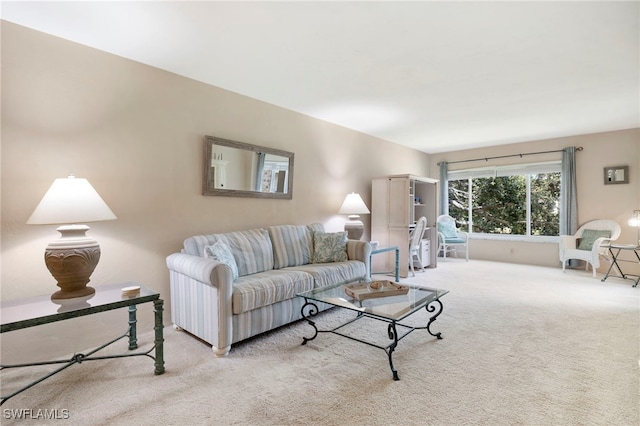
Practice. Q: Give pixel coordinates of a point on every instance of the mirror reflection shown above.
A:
(239, 169)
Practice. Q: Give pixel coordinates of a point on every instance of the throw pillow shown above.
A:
(222, 253)
(329, 247)
(448, 229)
(589, 236)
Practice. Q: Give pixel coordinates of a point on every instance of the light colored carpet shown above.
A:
(521, 345)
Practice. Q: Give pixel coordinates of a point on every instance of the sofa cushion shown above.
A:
(251, 249)
(222, 253)
(316, 227)
(325, 274)
(329, 247)
(266, 288)
(589, 236)
(291, 245)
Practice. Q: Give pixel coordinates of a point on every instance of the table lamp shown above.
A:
(71, 258)
(354, 206)
(635, 222)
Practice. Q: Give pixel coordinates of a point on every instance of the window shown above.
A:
(514, 200)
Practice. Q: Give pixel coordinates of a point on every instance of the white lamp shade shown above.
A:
(635, 219)
(70, 200)
(353, 205)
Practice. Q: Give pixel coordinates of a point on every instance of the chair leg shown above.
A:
(414, 257)
(413, 272)
(564, 264)
(417, 257)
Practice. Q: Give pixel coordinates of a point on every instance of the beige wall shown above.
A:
(595, 199)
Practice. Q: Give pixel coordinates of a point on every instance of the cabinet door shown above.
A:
(425, 255)
(400, 202)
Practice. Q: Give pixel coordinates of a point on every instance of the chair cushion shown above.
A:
(589, 236)
(448, 229)
(222, 253)
(454, 240)
(329, 247)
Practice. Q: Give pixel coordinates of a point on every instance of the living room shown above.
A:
(136, 133)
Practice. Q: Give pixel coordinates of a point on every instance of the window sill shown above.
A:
(520, 238)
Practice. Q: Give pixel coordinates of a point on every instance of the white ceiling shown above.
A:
(434, 76)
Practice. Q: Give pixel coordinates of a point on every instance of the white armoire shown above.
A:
(397, 202)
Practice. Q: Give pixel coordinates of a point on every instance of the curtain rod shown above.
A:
(507, 156)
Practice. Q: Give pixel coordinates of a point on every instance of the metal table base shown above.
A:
(86, 309)
(616, 258)
(392, 330)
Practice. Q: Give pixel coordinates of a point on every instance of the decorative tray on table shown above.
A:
(361, 291)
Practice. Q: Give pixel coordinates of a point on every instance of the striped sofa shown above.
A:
(228, 287)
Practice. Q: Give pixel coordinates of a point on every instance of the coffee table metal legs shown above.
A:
(431, 308)
(312, 311)
(393, 335)
(309, 310)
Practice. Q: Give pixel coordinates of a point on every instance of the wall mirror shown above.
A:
(238, 169)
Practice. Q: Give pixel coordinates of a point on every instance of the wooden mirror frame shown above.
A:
(207, 189)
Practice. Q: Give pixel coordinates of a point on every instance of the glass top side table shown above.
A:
(615, 258)
(33, 311)
(384, 250)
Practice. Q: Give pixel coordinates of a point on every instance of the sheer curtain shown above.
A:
(568, 193)
(444, 188)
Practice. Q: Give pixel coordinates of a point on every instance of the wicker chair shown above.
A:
(589, 243)
(450, 240)
(414, 244)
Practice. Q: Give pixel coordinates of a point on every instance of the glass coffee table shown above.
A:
(387, 301)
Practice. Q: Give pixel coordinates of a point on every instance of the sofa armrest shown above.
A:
(201, 298)
(201, 269)
(360, 250)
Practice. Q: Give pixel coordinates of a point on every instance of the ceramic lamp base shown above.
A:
(71, 260)
(354, 228)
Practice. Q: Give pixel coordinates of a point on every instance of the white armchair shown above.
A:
(450, 239)
(589, 243)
